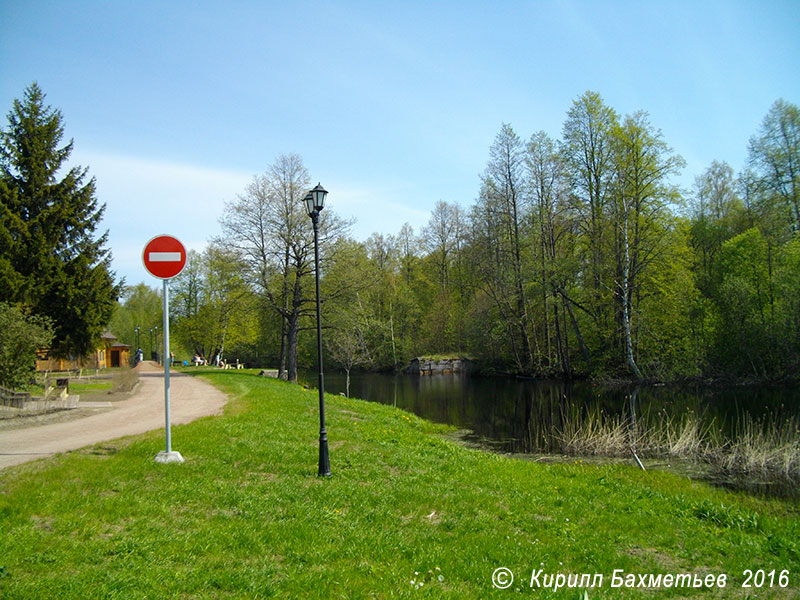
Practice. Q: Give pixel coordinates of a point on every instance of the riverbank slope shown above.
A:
(406, 511)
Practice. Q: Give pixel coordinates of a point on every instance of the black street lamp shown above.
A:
(153, 354)
(315, 201)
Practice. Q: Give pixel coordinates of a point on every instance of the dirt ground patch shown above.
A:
(55, 416)
(148, 366)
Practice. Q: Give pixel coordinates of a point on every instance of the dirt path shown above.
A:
(190, 398)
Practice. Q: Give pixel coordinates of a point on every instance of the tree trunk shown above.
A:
(565, 329)
(293, 328)
(522, 305)
(282, 358)
(626, 316)
(563, 361)
(577, 330)
(284, 324)
(391, 332)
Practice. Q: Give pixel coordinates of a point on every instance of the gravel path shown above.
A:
(190, 399)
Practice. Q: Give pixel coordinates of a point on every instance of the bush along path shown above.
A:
(406, 514)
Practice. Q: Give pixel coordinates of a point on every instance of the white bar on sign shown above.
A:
(165, 256)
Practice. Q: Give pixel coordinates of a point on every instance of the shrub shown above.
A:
(20, 337)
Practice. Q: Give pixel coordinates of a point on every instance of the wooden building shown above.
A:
(108, 353)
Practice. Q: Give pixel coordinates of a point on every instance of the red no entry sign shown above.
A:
(164, 257)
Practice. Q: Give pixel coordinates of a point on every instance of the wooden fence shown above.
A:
(13, 399)
(54, 398)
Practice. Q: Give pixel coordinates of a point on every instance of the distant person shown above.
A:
(139, 357)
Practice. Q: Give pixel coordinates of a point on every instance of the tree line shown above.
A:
(579, 256)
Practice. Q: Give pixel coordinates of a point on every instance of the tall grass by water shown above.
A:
(763, 450)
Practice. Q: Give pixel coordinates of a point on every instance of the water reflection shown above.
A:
(557, 417)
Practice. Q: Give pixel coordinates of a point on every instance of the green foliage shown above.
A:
(348, 323)
(20, 337)
(274, 239)
(141, 307)
(213, 306)
(743, 303)
(50, 261)
(575, 259)
(775, 154)
(787, 292)
(669, 335)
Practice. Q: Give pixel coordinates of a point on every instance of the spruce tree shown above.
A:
(51, 262)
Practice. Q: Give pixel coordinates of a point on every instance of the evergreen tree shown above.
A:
(51, 263)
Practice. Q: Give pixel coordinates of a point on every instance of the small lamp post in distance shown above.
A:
(154, 347)
(315, 202)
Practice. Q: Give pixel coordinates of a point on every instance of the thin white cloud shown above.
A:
(145, 198)
(381, 209)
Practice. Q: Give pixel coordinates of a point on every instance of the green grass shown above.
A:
(90, 387)
(247, 517)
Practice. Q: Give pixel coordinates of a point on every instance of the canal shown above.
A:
(575, 418)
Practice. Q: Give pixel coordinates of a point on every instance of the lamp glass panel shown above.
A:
(319, 193)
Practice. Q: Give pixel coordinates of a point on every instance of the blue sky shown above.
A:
(174, 106)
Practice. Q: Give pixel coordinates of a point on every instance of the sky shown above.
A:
(175, 106)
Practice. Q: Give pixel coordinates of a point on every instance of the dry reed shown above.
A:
(758, 450)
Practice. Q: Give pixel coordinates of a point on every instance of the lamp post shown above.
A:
(153, 354)
(136, 339)
(315, 201)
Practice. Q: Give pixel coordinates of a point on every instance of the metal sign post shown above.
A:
(167, 364)
(164, 257)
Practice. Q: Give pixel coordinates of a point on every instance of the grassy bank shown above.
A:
(406, 514)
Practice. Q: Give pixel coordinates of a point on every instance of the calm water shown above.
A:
(523, 416)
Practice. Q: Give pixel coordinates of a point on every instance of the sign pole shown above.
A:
(166, 364)
(164, 257)
(167, 456)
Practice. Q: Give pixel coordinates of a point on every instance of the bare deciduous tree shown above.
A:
(269, 227)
